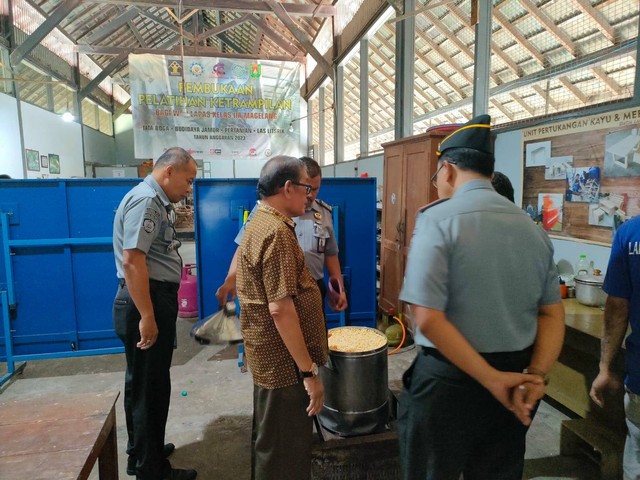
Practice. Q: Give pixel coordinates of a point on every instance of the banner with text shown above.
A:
(216, 108)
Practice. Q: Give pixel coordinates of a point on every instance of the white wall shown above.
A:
(123, 131)
(508, 151)
(98, 147)
(45, 132)
(10, 147)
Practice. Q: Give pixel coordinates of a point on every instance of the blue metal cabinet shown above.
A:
(57, 266)
(219, 206)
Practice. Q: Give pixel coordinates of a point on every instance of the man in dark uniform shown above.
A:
(146, 307)
(483, 289)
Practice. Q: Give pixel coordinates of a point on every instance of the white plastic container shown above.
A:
(583, 267)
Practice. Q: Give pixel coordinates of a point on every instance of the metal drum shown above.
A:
(356, 400)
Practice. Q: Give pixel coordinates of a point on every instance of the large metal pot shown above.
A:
(356, 390)
(589, 290)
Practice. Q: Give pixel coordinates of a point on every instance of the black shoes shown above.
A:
(181, 474)
(167, 450)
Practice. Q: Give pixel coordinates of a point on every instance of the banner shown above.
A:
(215, 108)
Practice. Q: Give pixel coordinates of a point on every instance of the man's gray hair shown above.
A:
(276, 172)
(176, 156)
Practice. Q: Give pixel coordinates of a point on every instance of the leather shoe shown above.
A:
(181, 474)
(167, 450)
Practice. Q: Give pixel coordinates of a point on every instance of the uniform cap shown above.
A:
(475, 134)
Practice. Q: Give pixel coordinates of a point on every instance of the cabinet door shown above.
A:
(393, 214)
(419, 190)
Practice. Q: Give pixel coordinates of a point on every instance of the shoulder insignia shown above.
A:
(324, 205)
(432, 204)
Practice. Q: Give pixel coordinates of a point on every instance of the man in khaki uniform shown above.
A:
(282, 325)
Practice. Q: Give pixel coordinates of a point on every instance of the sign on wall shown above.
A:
(214, 107)
(582, 176)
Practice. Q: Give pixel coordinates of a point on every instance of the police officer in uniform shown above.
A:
(146, 307)
(314, 230)
(484, 296)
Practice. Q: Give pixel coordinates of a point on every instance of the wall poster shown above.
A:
(587, 170)
(33, 160)
(216, 108)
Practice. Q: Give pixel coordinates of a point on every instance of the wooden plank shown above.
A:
(61, 438)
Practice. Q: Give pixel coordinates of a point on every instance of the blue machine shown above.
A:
(57, 273)
(219, 208)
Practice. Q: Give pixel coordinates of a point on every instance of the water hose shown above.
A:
(404, 335)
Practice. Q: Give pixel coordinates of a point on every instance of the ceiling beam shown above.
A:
(445, 59)
(520, 39)
(610, 83)
(527, 108)
(502, 108)
(108, 28)
(257, 41)
(167, 25)
(248, 6)
(121, 109)
(550, 25)
(276, 37)
(188, 50)
(301, 37)
(546, 96)
(51, 22)
(495, 49)
(573, 89)
(106, 71)
(137, 34)
(221, 28)
(603, 25)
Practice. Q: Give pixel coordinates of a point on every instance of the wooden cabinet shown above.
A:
(408, 166)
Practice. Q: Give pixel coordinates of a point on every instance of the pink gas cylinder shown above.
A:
(188, 292)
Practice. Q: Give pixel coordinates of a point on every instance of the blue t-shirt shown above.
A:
(623, 280)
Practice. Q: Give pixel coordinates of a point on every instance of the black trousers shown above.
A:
(449, 424)
(282, 434)
(147, 385)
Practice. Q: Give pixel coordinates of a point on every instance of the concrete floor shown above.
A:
(211, 424)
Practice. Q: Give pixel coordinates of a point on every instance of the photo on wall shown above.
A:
(610, 210)
(583, 184)
(556, 168)
(33, 160)
(44, 161)
(550, 204)
(622, 153)
(54, 163)
(537, 154)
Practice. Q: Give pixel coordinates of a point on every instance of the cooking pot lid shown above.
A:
(589, 279)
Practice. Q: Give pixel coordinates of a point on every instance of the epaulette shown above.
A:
(324, 205)
(432, 204)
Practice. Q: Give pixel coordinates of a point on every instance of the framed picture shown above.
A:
(54, 163)
(44, 161)
(33, 160)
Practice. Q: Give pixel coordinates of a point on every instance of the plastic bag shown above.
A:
(219, 328)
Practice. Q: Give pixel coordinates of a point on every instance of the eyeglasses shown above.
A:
(434, 177)
(307, 187)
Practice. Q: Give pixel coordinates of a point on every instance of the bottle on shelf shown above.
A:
(583, 267)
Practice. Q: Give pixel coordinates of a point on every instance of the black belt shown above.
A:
(157, 284)
(489, 357)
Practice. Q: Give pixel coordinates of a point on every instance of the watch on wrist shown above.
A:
(311, 373)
